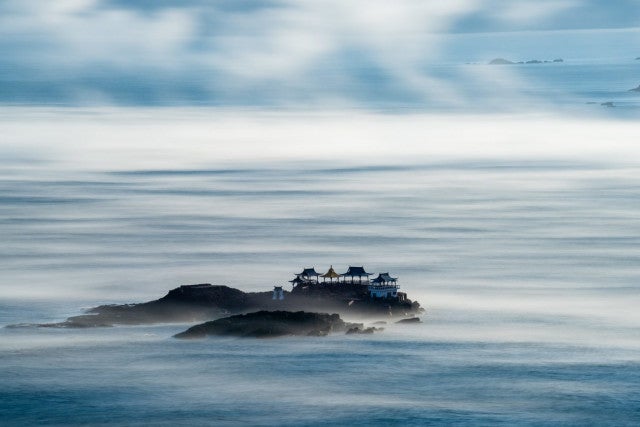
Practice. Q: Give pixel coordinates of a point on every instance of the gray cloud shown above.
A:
(252, 52)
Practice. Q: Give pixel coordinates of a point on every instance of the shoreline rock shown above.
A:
(202, 302)
(410, 320)
(272, 324)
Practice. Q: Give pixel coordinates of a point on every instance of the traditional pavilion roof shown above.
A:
(384, 278)
(297, 280)
(308, 272)
(356, 271)
(331, 274)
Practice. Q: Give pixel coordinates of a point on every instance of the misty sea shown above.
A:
(519, 234)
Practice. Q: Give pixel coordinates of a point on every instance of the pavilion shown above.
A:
(331, 274)
(309, 275)
(354, 272)
(384, 286)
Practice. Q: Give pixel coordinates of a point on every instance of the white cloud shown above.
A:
(247, 52)
(72, 33)
(530, 12)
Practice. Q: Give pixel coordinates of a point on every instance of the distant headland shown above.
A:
(502, 61)
(351, 294)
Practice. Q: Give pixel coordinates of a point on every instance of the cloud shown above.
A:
(244, 52)
(527, 12)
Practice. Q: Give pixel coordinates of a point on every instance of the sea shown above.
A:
(516, 229)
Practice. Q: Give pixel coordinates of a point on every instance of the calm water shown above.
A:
(519, 234)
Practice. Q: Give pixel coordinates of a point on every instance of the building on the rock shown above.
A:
(297, 281)
(309, 275)
(384, 286)
(331, 274)
(353, 272)
(278, 293)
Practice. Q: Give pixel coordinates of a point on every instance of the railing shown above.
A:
(385, 286)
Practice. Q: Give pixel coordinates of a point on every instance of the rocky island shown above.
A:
(270, 324)
(352, 294)
(502, 61)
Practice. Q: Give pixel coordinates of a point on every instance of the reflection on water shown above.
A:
(528, 270)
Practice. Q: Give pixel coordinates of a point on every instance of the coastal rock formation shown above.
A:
(193, 303)
(500, 61)
(410, 320)
(635, 89)
(360, 330)
(270, 324)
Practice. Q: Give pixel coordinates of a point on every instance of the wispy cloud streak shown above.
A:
(253, 52)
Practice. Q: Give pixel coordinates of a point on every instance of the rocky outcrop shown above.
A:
(410, 320)
(271, 324)
(500, 61)
(193, 303)
(365, 331)
(635, 89)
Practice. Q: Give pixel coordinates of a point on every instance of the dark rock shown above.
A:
(558, 60)
(500, 61)
(198, 303)
(379, 322)
(267, 324)
(359, 330)
(607, 104)
(410, 320)
(635, 89)
(533, 61)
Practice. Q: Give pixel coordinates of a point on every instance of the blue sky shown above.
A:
(287, 53)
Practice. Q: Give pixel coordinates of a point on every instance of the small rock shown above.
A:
(357, 330)
(410, 320)
(500, 61)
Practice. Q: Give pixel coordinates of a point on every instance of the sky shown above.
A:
(303, 53)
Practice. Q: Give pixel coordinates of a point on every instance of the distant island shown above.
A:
(635, 89)
(502, 61)
(271, 324)
(350, 294)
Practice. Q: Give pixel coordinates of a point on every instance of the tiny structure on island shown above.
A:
(278, 293)
(384, 286)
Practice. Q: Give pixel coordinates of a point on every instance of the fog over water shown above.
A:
(150, 144)
(517, 232)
